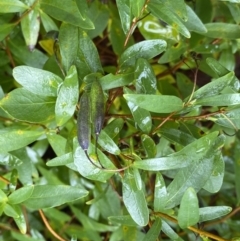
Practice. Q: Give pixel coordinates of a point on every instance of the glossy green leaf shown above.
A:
(34, 108)
(160, 193)
(165, 14)
(85, 167)
(88, 53)
(46, 196)
(148, 146)
(114, 127)
(66, 12)
(194, 23)
(20, 195)
(10, 211)
(185, 85)
(68, 42)
(214, 183)
(5, 29)
(124, 10)
(219, 100)
(214, 87)
(58, 143)
(217, 67)
(188, 213)
(40, 82)
(146, 49)
(134, 200)
(167, 229)
(107, 143)
(3, 197)
(20, 220)
(30, 25)
(145, 77)
(138, 178)
(14, 139)
(178, 7)
(111, 81)
(12, 6)
(154, 231)
(136, 7)
(141, 116)
(124, 220)
(195, 175)
(189, 155)
(167, 103)
(61, 160)
(210, 213)
(235, 10)
(67, 97)
(47, 22)
(222, 30)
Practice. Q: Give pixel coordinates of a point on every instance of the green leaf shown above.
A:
(136, 7)
(189, 155)
(214, 87)
(47, 22)
(38, 81)
(3, 201)
(58, 143)
(166, 228)
(47, 196)
(188, 213)
(20, 195)
(23, 105)
(67, 98)
(148, 146)
(124, 10)
(210, 213)
(20, 220)
(222, 30)
(88, 53)
(5, 29)
(160, 193)
(12, 6)
(166, 14)
(67, 12)
(107, 143)
(217, 67)
(235, 10)
(214, 183)
(68, 43)
(178, 7)
(141, 116)
(114, 127)
(111, 81)
(61, 160)
(30, 25)
(14, 139)
(154, 231)
(149, 102)
(86, 169)
(123, 220)
(146, 49)
(194, 23)
(145, 77)
(219, 100)
(134, 199)
(195, 175)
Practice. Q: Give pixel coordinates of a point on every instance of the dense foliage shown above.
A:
(164, 72)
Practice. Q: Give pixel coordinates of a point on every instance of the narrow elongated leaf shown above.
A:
(124, 220)
(88, 53)
(148, 146)
(20, 219)
(114, 127)
(5, 29)
(134, 200)
(14, 139)
(156, 103)
(160, 193)
(111, 81)
(214, 87)
(146, 49)
(47, 22)
(68, 42)
(12, 6)
(188, 214)
(141, 116)
(125, 14)
(145, 78)
(67, 98)
(210, 213)
(61, 160)
(166, 228)
(178, 7)
(47, 196)
(20, 195)
(187, 156)
(222, 30)
(30, 25)
(66, 12)
(154, 231)
(40, 82)
(235, 10)
(107, 143)
(34, 108)
(218, 68)
(136, 7)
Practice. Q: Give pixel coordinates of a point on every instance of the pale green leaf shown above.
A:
(20, 195)
(12, 6)
(210, 213)
(153, 232)
(160, 193)
(124, 10)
